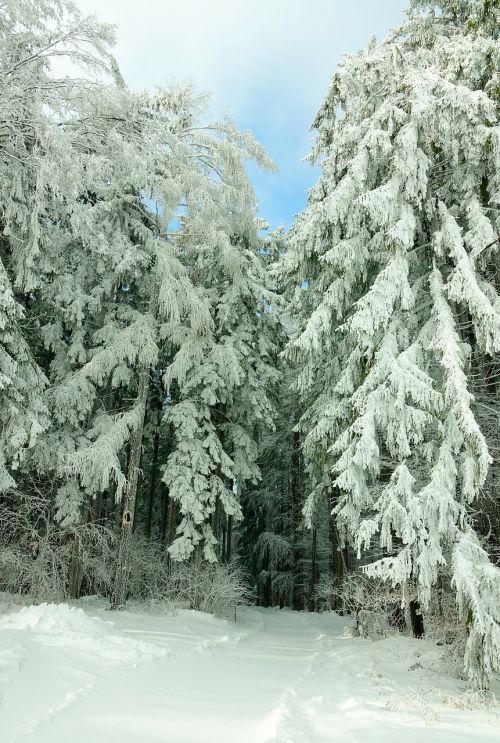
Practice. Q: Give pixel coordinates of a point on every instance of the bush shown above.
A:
(443, 624)
(214, 588)
(374, 604)
(38, 556)
(52, 562)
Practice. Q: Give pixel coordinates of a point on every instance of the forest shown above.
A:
(198, 410)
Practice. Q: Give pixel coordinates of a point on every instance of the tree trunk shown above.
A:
(338, 564)
(314, 570)
(229, 537)
(215, 523)
(267, 593)
(75, 570)
(99, 507)
(296, 517)
(154, 471)
(168, 520)
(417, 620)
(119, 592)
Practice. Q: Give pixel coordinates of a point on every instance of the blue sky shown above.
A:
(267, 63)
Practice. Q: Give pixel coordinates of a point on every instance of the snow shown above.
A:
(60, 625)
(79, 673)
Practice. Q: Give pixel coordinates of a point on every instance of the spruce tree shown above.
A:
(399, 246)
(35, 167)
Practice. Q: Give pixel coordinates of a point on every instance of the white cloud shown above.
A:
(237, 48)
(266, 62)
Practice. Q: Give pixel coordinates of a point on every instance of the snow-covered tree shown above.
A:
(283, 557)
(34, 160)
(130, 245)
(399, 248)
(222, 376)
(151, 294)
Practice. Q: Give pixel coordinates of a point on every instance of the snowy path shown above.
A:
(273, 677)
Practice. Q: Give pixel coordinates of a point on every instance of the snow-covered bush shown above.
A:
(214, 588)
(373, 604)
(471, 699)
(47, 560)
(414, 702)
(148, 569)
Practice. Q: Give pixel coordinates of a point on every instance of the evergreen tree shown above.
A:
(223, 376)
(399, 246)
(130, 245)
(33, 159)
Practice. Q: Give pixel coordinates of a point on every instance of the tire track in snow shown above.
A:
(290, 718)
(326, 677)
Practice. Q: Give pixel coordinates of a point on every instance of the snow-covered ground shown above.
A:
(79, 674)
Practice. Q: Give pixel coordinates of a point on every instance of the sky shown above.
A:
(267, 63)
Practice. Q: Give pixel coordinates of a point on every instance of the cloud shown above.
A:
(267, 62)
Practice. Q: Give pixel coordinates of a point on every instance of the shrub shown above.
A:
(211, 587)
(374, 604)
(38, 555)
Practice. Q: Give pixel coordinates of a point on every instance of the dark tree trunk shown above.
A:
(154, 470)
(338, 562)
(168, 520)
(314, 570)
(119, 592)
(267, 593)
(296, 517)
(75, 570)
(223, 543)
(99, 507)
(75, 567)
(417, 620)
(229, 537)
(215, 522)
(338, 557)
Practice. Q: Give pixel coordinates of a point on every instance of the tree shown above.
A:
(223, 376)
(399, 247)
(283, 558)
(157, 148)
(130, 244)
(32, 156)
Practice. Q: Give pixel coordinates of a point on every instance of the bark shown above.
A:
(229, 537)
(224, 537)
(75, 570)
(296, 517)
(338, 562)
(99, 506)
(119, 592)
(75, 567)
(314, 570)
(267, 592)
(417, 620)
(168, 520)
(154, 469)
(338, 552)
(215, 523)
